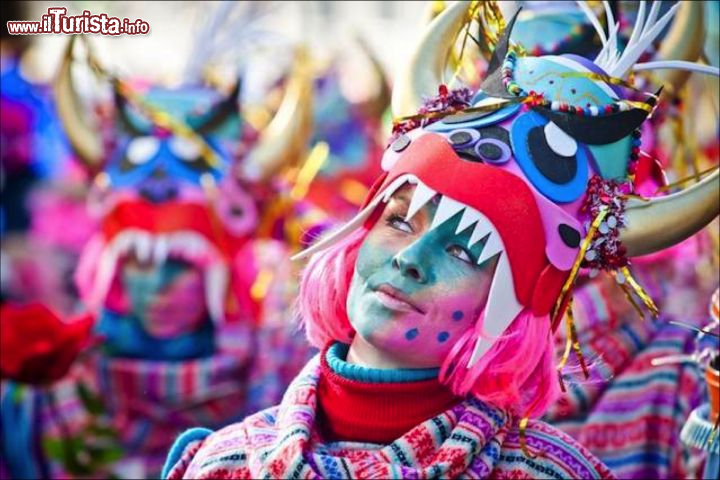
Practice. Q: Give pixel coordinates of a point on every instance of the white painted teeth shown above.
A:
(447, 208)
(470, 216)
(143, 247)
(421, 196)
(216, 282)
(492, 247)
(186, 245)
(105, 273)
(160, 250)
(481, 230)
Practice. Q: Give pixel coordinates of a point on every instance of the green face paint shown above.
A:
(415, 290)
(166, 300)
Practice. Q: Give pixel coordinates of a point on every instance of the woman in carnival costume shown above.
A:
(435, 305)
(168, 274)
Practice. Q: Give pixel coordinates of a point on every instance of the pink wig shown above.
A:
(517, 374)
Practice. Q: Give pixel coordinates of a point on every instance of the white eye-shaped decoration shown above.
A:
(559, 141)
(185, 149)
(142, 149)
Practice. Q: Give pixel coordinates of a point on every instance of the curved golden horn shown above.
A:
(684, 41)
(84, 139)
(375, 106)
(422, 75)
(659, 223)
(432, 10)
(283, 142)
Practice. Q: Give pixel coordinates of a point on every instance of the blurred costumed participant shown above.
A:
(435, 305)
(33, 154)
(329, 186)
(352, 131)
(167, 277)
(703, 426)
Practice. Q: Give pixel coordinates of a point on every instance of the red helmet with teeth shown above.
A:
(537, 162)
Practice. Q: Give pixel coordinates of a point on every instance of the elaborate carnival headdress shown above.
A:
(539, 163)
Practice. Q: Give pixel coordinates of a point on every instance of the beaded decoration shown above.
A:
(537, 99)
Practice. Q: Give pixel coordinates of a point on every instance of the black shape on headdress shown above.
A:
(493, 84)
(203, 124)
(220, 112)
(600, 130)
(596, 130)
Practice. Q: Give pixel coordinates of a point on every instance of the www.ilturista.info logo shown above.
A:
(56, 21)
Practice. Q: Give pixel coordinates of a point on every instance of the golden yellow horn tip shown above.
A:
(84, 139)
(684, 41)
(284, 141)
(424, 71)
(659, 223)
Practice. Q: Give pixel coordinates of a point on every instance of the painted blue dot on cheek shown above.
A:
(458, 315)
(412, 333)
(442, 336)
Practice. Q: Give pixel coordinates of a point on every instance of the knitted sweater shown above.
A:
(471, 439)
(630, 412)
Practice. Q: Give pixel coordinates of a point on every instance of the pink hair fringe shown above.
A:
(501, 377)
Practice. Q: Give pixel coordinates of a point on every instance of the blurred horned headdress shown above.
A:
(194, 116)
(173, 167)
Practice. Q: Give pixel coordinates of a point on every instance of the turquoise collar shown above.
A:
(337, 355)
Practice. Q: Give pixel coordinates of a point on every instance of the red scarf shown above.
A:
(350, 410)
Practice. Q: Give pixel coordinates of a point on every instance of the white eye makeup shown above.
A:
(184, 148)
(559, 141)
(142, 149)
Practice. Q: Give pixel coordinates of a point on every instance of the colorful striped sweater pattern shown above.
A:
(470, 440)
(630, 412)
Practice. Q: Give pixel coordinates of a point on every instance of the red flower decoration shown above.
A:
(36, 346)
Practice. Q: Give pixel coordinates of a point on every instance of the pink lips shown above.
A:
(395, 300)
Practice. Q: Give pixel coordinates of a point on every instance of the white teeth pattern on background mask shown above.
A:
(216, 281)
(186, 245)
(143, 247)
(105, 273)
(161, 249)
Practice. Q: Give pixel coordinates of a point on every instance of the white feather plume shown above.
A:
(229, 29)
(646, 29)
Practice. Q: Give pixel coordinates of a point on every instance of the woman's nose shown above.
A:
(409, 266)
